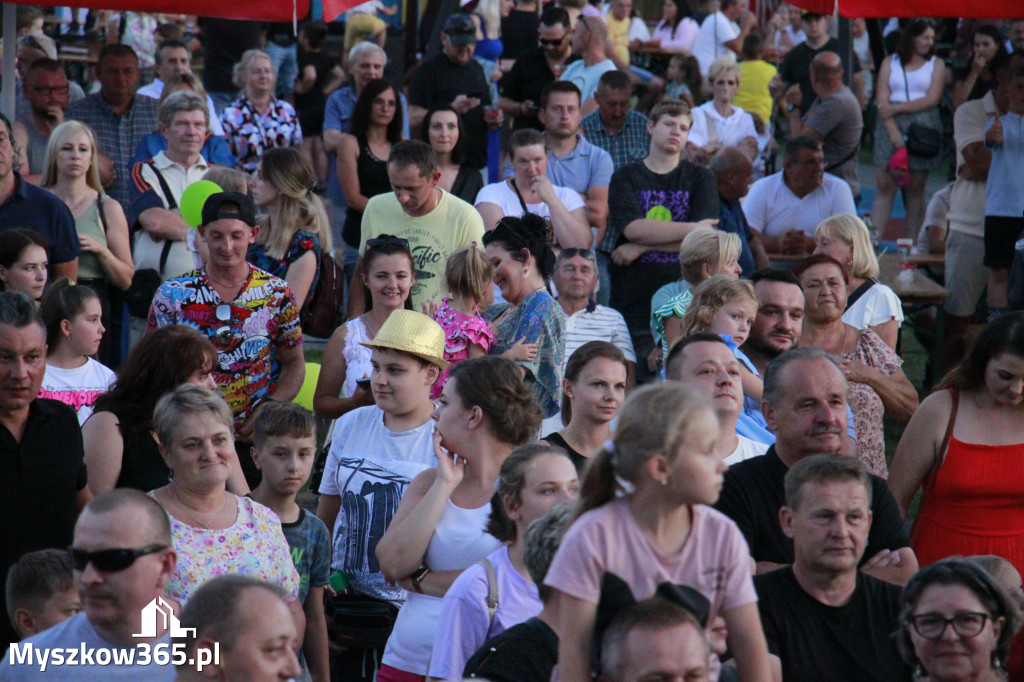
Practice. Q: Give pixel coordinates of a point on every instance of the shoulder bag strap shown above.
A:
(522, 202)
(940, 455)
(103, 216)
(837, 164)
(492, 590)
(172, 203)
(858, 292)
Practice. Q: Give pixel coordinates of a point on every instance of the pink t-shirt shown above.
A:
(715, 559)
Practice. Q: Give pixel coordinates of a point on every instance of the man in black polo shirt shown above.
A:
(823, 618)
(804, 403)
(25, 205)
(521, 88)
(42, 472)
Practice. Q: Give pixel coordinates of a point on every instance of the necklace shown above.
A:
(182, 507)
(366, 321)
(75, 203)
(229, 284)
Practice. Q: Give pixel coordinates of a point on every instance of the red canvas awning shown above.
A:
(985, 9)
(258, 10)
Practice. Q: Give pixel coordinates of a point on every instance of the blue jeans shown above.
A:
(285, 64)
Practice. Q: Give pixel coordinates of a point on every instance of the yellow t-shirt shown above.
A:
(451, 226)
(618, 33)
(753, 95)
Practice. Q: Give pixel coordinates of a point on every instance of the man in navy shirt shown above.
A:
(25, 205)
(733, 173)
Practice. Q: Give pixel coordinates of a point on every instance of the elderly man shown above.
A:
(733, 173)
(247, 624)
(704, 361)
(588, 42)
(616, 127)
(521, 87)
(786, 207)
(822, 617)
(22, 204)
(123, 558)
(804, 403)
(435, 223)
(454, 77)
(248, 314)
(834, 119)
(46, 89)
(174, 59)
(42, 472)
(654, 640)
(119, 118)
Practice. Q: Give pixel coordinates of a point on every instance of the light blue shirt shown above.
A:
(1003, 195)
(586, 77)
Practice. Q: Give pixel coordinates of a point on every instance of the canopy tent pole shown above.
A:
(10, 54)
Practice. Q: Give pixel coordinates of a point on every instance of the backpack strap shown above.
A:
(492, 590)
(172, 203)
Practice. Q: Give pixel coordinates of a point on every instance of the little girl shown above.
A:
(74, 329)
(468, 276)
(684, 80)
(663, 530)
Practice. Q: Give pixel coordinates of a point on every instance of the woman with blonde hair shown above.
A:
(71, 171)
(718, 122)
(871, 304)
(295, 230)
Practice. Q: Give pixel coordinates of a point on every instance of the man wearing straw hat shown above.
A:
(375, 452)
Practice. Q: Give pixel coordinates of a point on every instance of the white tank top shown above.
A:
(458, 542)
(917, 82)
(357, 357)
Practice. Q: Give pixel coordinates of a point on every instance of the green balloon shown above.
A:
(193, 198)
(305, 395)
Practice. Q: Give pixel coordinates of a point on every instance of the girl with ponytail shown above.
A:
(644, 515)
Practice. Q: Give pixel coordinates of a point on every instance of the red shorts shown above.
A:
(388, 674)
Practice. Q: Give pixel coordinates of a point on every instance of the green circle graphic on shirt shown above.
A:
(659, 213)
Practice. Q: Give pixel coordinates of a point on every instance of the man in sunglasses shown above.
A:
(42, 472)
(521, 87)
(47, 90)
(248, 314)
(823, 618)
(123, 557)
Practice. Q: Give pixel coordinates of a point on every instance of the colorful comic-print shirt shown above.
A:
(264, 319)
(250, 133)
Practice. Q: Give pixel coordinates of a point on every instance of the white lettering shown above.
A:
(21, 654)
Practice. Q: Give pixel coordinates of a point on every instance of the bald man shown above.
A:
(835, 118)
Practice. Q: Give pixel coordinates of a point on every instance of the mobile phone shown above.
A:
(363, 383)
(476, 93)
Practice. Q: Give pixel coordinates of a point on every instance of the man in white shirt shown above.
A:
(173, 59)
(786, 207)
(720, 33)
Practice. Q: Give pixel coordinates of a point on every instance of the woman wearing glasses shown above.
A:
(389, 275)
(215, 532)
(957, 624)
(295, 230)
(718, 122)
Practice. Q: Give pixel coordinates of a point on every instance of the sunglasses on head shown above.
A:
(111, 560)
(576, 251)
(223, 313)
(387, 240)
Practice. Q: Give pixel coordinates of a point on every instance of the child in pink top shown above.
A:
(468, 276)
(662, 531)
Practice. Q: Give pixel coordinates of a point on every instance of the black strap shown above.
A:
(858, 292)
(172, 203)
(837, 164)
(103, 216)
(522, 202)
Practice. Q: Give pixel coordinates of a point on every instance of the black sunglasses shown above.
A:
(553, 42)
(576, 251)
(111, 560)
(387, 240)
(223, 313)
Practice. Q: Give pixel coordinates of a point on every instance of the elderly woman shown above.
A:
(871, 304)
(215, 532)
(530, 191)
(877, 384)
(718, 122)
(258, 120)
(957, 624)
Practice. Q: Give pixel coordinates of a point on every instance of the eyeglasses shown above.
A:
(111, 560)
(59, 90)
(554, 42)
(576, 251)
(386, 240)
(932, 625)
(223, 314)
(724, 83)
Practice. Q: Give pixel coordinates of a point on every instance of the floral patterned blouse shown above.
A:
(253, 546)
(460, 330)
(302, 243)
(249, 133)
(866, 404)
(537, 319)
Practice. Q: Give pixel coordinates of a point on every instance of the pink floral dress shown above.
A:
(460, 330)
(866, 404)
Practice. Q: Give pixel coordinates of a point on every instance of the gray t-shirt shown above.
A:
(839, 121)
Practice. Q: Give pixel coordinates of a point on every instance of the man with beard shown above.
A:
(48, 92)
(521, 87)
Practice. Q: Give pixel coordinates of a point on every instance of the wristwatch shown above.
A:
(790, 107)
(417, 577)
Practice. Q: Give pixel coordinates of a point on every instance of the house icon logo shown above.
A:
(159, 612)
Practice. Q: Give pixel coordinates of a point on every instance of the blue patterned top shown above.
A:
(302, 243)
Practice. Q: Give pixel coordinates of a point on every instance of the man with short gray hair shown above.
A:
(804, 404)
(654, 639)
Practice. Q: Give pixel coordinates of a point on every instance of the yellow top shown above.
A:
(753, 95)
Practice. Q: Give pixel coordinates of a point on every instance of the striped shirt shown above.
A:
(598, 323)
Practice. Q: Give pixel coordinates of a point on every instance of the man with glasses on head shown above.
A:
(123, 557)
(824, 619)
(521, 87)
(47, 91)
(588, 41)
(42, 472)
(248, 314)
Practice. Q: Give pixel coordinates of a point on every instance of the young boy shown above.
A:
(284, 448)
(40, 591)
(376, 451)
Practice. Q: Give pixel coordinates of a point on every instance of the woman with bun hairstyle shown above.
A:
(530, 325)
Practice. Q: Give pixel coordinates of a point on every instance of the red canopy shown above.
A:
(258, 10)
(985, 9)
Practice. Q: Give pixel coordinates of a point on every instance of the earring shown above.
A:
(664, 481)
(526, 271)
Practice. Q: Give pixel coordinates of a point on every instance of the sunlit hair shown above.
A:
(852, 231)
(711, 295)
(240, 74)
(58, 138)
(468, 273)
(179, 102)
(510, 485)
(296, 207)
(724, 65)
(707, 246)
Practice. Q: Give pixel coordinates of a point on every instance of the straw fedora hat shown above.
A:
(411, 332)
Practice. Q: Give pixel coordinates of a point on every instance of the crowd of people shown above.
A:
(620, 401)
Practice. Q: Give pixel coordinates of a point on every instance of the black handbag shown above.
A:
(361, 622)
(923, 142)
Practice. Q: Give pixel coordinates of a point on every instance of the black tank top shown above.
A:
(373, 180)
